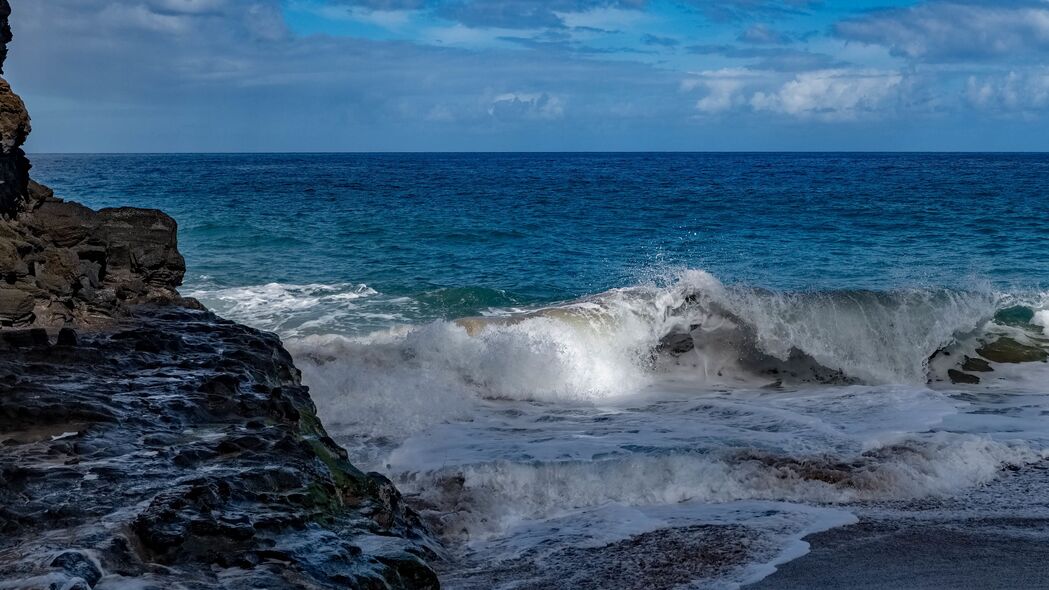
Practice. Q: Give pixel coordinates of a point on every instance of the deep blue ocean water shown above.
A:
(544, 227)
(492, 332)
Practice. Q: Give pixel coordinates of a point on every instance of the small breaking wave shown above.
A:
(289, 309)
(477, 500)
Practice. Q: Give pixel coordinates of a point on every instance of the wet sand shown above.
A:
(921, 555)
(994, 537)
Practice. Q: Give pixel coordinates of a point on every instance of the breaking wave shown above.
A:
(695, 329)
(481, 499)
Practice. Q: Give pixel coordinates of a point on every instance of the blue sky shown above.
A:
(466, 75)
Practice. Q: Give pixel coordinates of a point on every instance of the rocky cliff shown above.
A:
(145, 442)
(62, 263)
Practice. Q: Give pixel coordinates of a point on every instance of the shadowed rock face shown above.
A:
(161, 446)
(14, 129)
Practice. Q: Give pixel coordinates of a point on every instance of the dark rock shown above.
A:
(67, 337)
(977, 365)
(1008, 350)
(33, 337)
(677, 343)
(79, 565)
(16, 307)
(14, 128)
(205, 454)
(963, 378)
(61, 223)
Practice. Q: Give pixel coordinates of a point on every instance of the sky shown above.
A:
(530, 75)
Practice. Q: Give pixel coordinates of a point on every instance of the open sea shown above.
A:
(557, 355)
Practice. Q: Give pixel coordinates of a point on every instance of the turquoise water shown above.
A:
(548, 351)
(527, 228)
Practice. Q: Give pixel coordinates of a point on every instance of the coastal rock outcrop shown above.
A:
(147, 443)
(182, 451)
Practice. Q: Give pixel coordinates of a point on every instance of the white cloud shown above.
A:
(832, 95)
(1010, 93)
(956, 30)
(723, 89)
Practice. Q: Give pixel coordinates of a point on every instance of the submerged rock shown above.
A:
(963, 378)
(1008, 350)
(977, 365)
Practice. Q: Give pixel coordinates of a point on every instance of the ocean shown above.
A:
(563, 360)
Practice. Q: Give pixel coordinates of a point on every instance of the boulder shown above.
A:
(16, 307)
(142, 242)
(62, 223)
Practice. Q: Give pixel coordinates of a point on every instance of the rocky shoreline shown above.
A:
(147, 441)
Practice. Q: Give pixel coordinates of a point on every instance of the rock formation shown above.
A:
(145, 442)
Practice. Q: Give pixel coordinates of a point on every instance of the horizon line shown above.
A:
(519, 152)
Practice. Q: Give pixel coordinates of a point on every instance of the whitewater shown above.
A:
(521, 433)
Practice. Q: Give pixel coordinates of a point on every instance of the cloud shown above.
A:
(1011, 93)
(832, 95)
(942, 31)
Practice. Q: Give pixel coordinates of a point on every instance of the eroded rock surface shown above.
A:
(180, 450)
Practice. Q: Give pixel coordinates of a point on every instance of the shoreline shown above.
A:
(966, 542)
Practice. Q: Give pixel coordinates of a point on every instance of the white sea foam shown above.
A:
(488, 498)
(1041, 318)
(287, 308)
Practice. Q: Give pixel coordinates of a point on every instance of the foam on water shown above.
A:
(1041, 318)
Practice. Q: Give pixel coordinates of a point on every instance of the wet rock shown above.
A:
(1008, 350)
(958, 377)
(203, 454)
(676, 343)
(79, 565)
(977, 365)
